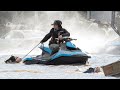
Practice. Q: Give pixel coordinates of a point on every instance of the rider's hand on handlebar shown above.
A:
(60, 37)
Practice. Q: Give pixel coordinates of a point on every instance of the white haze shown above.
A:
(90, 37)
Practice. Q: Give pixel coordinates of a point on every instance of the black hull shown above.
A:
(60, 61)
(68, 60)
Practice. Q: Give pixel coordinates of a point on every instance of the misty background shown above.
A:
(20, 31)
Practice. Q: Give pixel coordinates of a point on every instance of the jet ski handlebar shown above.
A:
(66, 39)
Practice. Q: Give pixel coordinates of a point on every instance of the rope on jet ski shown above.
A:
(30, 51)
(40, 43)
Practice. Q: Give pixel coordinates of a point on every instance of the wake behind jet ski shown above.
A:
(68, 53)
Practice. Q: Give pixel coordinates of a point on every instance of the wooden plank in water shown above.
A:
(112, 69)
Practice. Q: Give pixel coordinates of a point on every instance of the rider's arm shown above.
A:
(66, 33)
(47, 36)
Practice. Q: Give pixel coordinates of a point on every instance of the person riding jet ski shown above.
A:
(66, 53)
(60, 51)
(56, 32)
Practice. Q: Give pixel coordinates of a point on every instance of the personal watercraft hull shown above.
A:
(68, 54)
(68, 60)
(60, 61)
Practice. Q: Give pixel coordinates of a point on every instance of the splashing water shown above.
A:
(26, 32)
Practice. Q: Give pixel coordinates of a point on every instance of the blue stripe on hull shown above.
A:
(67, 54)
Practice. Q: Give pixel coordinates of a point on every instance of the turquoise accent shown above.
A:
(71, 45)
(46, 49)
(28, 59)
(67, 53)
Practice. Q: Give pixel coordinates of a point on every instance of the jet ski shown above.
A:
(67, 54)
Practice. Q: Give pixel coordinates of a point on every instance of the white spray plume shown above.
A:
(90, 37)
